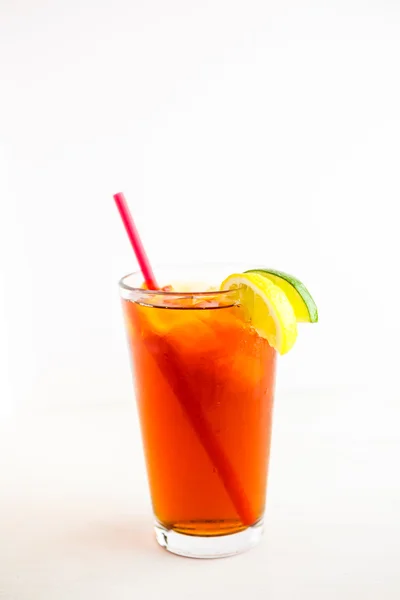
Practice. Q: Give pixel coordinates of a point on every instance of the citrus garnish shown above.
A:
(268, 308)
(299, 297)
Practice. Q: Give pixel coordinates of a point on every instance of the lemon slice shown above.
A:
(268, 308)
(298, 295)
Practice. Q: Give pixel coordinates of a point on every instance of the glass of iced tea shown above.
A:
(204, 383)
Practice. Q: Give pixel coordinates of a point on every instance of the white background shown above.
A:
(262, 132)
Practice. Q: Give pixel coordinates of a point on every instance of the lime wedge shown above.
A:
(299, 297)
(268, 308)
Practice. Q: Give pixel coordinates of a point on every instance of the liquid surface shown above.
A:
(204, 385)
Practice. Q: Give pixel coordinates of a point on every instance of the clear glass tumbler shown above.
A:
(204, 383)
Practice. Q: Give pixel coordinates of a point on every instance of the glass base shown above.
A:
(219, 546)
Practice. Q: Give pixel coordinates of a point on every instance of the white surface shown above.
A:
(75, 519)
(265, 132)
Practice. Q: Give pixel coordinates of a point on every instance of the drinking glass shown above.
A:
(204, 381)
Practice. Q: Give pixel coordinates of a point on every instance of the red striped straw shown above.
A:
(136, 242)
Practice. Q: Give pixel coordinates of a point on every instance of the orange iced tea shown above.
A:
(204, 384)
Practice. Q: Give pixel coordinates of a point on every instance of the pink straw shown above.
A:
(135, 240)
(169, 366)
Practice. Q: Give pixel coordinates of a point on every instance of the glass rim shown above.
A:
(145, 292)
